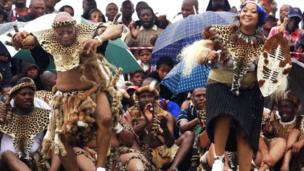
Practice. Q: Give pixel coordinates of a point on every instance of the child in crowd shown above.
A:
(144, 59)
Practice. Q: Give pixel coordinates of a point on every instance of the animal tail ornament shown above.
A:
(274, 66)
(195, 54)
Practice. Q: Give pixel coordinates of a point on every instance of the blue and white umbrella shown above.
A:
(177, 83)
(184, 32)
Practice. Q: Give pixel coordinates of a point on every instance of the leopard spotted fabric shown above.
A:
(24, 128)
(243, 50)
(65, 58)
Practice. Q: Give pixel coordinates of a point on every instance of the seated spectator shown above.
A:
(31, 71)
(163, 67)
(23, 125)
(165, 104)
(121, 157)
(68, 9)
(154, 127)
(5, 65)
(281, 131)
(193, 119)
(137, 77)
(144, 58)
(4, 92)
(48, 81)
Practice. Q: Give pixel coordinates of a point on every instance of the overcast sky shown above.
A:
(168, 7)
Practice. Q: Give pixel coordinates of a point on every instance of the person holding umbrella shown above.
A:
(234, 103)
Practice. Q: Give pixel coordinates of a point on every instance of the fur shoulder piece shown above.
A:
(65, 58)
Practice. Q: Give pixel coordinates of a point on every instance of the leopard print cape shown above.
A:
(65, 58)
(242, 49)
(24, 128)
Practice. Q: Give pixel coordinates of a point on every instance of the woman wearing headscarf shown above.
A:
(234, 103)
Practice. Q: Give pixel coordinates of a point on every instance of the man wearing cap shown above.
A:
(22, 123)
(81, 104)
(154, 127)
(291, 30)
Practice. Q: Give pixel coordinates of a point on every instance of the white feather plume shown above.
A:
(194, 54)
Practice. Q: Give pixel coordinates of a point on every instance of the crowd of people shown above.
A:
(87, 115)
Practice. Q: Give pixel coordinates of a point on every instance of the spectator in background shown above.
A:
(4, 94)
(6, 11)
(5, 65)
(218, 5)
(6, 5)
(111, 11)
(165, 104)
(163, 67)
(193, 119)
(291, 30)
(37, 9)
(48, 80)
(189, 7)
(270, 22)
(20, 9)
(139, 6)
(144, 58)
(3, 16)
(87, 5)
(49, 5)
(137, 77)
(94, 15)
(303, 20)
(299, 50)
(67, 8)
(284, 13)
(31, 71)
(234, 10)
(127, 10)
(188, 119)
(162, 148)
(143, 30)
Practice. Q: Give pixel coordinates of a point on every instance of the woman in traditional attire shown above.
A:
(234, 103)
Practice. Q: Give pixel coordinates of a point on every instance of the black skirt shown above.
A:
(245, 110)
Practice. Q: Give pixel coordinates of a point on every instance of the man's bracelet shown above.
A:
(100, 39)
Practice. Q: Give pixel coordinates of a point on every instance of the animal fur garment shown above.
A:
(195, 54)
